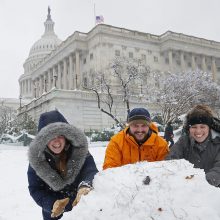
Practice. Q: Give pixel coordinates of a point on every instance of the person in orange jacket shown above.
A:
(137, 142)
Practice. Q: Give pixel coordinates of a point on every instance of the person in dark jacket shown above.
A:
(168, 134)
(200, 144)
(61, 169)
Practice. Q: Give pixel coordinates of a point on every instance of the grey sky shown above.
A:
(21, 24)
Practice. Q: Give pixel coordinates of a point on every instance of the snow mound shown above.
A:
(152, 191)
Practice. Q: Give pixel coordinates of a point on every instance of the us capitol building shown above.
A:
(55, 70)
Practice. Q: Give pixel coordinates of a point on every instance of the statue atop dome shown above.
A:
(48, 15)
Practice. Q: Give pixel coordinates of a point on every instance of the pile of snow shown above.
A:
(119, 193)
(158, 190)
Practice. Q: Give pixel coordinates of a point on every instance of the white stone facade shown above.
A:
(53, 76)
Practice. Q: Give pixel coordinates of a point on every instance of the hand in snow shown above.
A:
(82, 191)
(58, 207)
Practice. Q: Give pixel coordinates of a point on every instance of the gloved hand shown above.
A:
(59, 206)
(84, 190)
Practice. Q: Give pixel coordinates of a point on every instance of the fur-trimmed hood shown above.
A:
(76, 160)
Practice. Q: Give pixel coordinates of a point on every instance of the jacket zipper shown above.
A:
(139, 151)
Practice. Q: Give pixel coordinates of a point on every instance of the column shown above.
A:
(29, 88)
(170, 56)
(20, 88)
(23, 92)
(204, 67)
(182, 61)
(54, 75)
(37, 87)
(51, 77)
(33, 90)
(41, 85)
(48, 80)
(70, 72)
(78, 77)
(59, 76)
(193, 62)
(24, 87)
(45, 83)
(64, 73)
(214, 69)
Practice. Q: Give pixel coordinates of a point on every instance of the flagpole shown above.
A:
(94, 15)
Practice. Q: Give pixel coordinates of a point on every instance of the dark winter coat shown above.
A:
(205, 155)
(168, 132)
(46, 185)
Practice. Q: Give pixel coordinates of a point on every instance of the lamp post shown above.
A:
(20, 97)
(45, 85)
(55, 81)
(76, 82)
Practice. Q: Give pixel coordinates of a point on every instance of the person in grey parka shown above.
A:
(200, 144)
(61, 168)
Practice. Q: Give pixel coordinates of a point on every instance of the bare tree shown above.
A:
(183, 90)
(120, 78)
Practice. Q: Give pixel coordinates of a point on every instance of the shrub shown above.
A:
(101, 136)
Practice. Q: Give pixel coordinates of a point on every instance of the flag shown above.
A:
(99, 19)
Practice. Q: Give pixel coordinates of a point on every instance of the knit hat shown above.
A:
(139, 115)
(50, 117)
(200, 114)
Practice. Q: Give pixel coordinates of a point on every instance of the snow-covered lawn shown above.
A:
(176, 191)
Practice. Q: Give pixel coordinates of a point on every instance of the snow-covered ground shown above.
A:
(176, 191)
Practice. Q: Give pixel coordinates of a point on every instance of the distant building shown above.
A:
(12, 102)
(55, 69)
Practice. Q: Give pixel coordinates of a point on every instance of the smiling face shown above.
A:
(57, 144)
(139, 131)
(199, 132)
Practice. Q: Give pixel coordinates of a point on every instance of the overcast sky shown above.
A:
(21, 24)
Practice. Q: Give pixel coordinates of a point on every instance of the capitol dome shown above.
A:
(41, 48)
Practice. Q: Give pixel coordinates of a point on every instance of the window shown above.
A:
(91, 56)
(130, 55)
(167, 61)
(178, 62)
(189, 64)
(117, 53)
(149, 51)
(84, 61)
(143, 57)
(155, 59)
